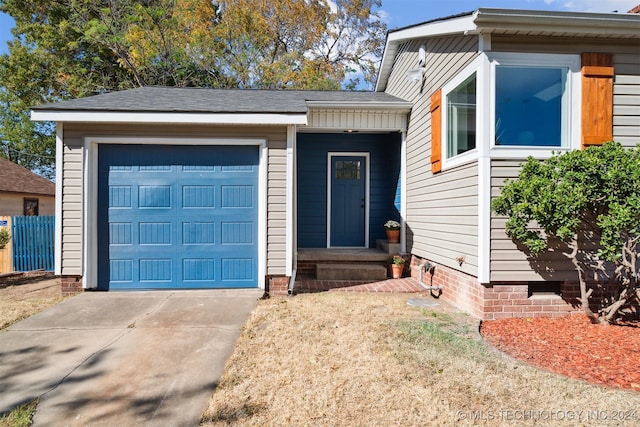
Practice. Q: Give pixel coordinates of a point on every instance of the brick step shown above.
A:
(372, 272)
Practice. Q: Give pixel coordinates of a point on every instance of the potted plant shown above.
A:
(396, 264)
(393, 231)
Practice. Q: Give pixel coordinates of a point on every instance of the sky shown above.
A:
(402, 13)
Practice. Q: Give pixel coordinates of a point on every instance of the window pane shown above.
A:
(461, 118)
(347, 169)
(531, 106)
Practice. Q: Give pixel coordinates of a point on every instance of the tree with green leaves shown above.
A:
(65, 49)
(301, 44)
(590, 201)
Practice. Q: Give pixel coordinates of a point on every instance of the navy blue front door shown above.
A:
(348, 201)
(177, 216)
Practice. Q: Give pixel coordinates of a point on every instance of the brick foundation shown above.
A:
(496, 300)
(277, 285)
(71, 285)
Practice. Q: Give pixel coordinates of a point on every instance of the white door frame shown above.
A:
(366, 155)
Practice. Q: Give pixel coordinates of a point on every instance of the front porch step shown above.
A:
(329, 255)
(363, 272)
(386, 247)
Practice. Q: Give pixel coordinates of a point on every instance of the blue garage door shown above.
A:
(177, 217)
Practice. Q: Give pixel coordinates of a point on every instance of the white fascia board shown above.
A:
(460, 25)
(388, 106)
(386, 64)
(619, 24)
(167, 118)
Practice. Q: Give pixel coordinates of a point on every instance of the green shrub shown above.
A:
(590, 200)
(5, 237)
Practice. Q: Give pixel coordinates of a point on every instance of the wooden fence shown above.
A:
(32, 243)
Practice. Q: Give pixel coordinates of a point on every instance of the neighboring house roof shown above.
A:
(16, 179)
(274, 106)
(512, 22)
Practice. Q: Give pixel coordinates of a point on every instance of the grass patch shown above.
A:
(427, 336)
(22, 416)
(21, 300)
(335, 359)
(442, 332)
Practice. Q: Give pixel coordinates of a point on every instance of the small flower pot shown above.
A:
(396, 270)
(393, 236)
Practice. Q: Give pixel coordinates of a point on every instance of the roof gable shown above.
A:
(486, 21)
(16, 179)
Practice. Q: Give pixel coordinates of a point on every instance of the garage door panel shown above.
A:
(156, 270)
(237, 269)
(121, 271)
(198, 196)
(198, 233)
(199, 269)
(237, 233)
(177, 217)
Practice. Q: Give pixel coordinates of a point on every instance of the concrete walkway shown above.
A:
(123, 358)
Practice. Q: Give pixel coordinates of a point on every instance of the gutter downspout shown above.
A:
(292, 282)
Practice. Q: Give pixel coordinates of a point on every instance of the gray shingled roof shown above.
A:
(16, 179)
(204, 100)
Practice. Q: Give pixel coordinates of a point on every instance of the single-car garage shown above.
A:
(177, 217)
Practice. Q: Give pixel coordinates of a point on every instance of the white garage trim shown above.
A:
(177, 118)
(90, 196)
(289, 254)
(59, 179)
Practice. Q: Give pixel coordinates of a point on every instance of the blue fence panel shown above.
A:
(33, 243)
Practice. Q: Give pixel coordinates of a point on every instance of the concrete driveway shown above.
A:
(123, 358)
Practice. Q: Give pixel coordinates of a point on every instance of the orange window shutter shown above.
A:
(436, 131)
(597, 98)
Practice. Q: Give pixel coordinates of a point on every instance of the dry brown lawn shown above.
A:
(25, 297)
(335, 359)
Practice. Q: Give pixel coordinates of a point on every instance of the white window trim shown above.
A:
(367, 156)
(90, 197)
(486, 149)
(472, 155)
(484, 66)
(572, 62)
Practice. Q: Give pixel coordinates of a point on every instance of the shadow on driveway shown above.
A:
(123, 358)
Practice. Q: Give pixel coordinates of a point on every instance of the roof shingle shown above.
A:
(16, 179)
(204, 100)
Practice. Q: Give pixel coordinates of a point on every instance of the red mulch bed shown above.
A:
(572, 346)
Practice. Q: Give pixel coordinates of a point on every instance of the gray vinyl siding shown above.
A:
(626, 97)
(72, 203)
(369, 121)
(72, 195)
(508, 263)
(626, 84)
(442, 209)
(406, 59)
